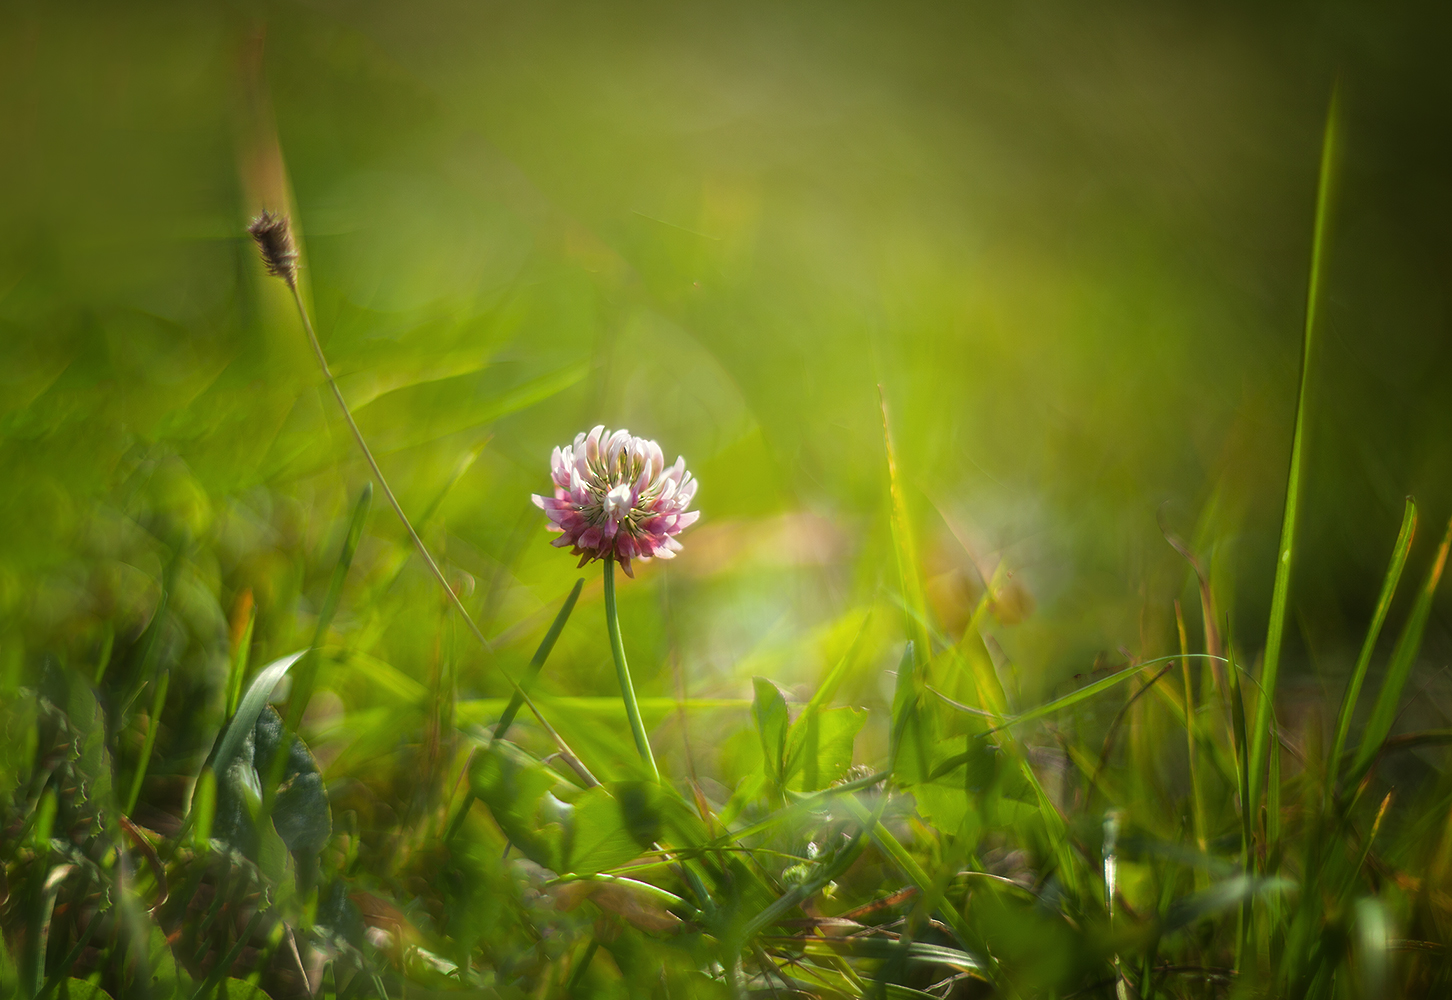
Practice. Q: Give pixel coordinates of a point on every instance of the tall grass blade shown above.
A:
(1378, 619)
(909, 578)
(1260, 732)
(1197, 803)
(1242, 780)
(1404, 655)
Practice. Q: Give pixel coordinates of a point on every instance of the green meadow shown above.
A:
(1066, 388)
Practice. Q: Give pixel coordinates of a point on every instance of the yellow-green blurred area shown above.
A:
(1070, 243)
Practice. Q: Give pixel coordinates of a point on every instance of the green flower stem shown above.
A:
(622, 671)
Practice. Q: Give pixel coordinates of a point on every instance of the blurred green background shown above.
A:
(1071, 243)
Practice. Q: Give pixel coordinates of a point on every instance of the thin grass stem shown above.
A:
(1280, 595)
(566, 754)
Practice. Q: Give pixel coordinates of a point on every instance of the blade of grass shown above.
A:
(1242, 777)
(1260, 732)
(1081, 694)
(1404, 656)
(516, 702)
(239, 727)
(1378, 619)
(909, 579)
(1197, 803)
(892, 847)
(158, 701)
(242, 652)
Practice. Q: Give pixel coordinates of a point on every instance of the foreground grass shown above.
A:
(1167, 827)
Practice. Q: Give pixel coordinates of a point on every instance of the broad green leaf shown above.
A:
(819, 747)
(643, 807)
(169, 981)
(239, 989)
(524, 798)
(599, 839)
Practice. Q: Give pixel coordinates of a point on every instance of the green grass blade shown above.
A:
(1084, 693)
(1243, 950)
(1197, 801)
(909, 577)
(1378, 619)
(238, 667)
(229, 744)
(1404, 655)
(158, 701)
(516, 701)
(905, 862)
(1260, 732)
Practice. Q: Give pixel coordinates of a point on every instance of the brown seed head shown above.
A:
(273, 233)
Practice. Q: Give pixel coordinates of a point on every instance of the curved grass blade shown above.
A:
(240, 726)
(1404, 655)
(1260, 732)
(1378, 619)
(1081, 694)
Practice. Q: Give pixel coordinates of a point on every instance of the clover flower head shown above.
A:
(616, 497)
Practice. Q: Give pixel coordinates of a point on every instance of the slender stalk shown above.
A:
(566, 754)
(1197, 808)
(378, 473)
(622, 672)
